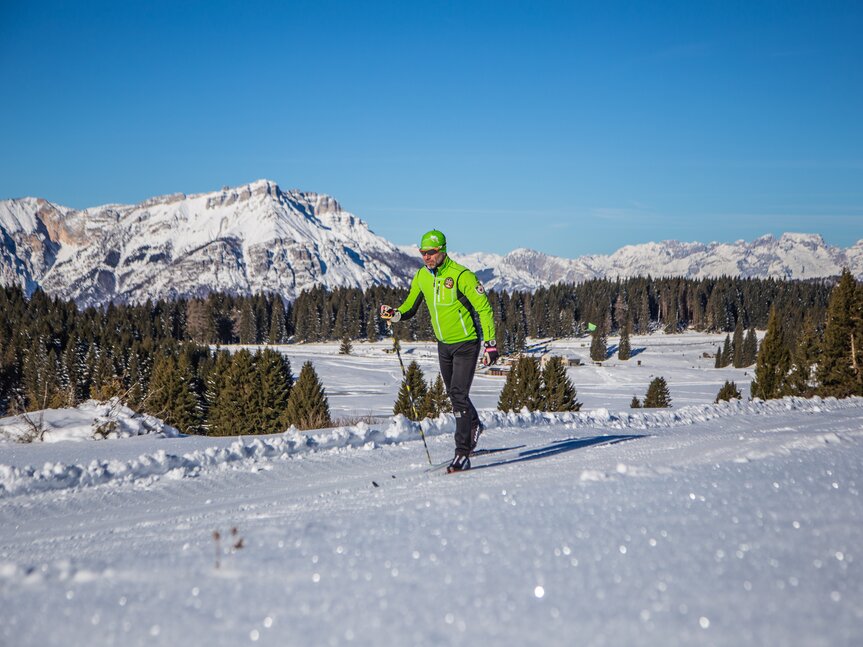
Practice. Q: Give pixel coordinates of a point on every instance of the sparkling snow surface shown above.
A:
(703, 524)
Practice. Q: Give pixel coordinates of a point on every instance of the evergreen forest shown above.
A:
(162, 357)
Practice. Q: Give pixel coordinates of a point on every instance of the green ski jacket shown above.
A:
(456, 301)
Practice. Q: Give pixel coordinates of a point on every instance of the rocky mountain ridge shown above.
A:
(258, 237)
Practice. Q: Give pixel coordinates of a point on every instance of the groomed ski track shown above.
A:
(721, 524)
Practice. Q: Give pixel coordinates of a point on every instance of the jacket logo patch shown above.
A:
(448, 282)
(480, 289)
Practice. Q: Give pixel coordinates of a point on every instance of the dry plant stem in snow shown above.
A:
(236, 543)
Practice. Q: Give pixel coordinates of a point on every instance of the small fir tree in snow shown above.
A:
(773, 363)
(729, 391)
(437, 401)
(508, 400)
(727, 352)
(558, 393)
(804, 356)
(599, 344)
(529, 384)
(234, 412)
(624, 349)
(412, 394)
(106, 384)
(750, 348)
(216, 380)
(658, 394)
(346, 346)
(523, 386)
(737, 345)
(635, 403)
(135, 388)
(840, 365)
(171, 395)
(273, 372)
(308, 407)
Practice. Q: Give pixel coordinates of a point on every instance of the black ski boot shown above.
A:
(460, 463)
(475, 433)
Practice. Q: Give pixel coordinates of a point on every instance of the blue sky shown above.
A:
(568, 127)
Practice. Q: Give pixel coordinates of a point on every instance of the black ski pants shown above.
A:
(457, 366)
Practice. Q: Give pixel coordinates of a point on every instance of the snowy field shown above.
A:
(703, 524)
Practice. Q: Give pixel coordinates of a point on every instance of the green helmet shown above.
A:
(433, 239)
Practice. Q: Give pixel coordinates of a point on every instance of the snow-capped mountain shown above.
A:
(791, 256)
(243, 240)
(259, 238)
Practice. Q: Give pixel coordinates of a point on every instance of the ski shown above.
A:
(475, 453)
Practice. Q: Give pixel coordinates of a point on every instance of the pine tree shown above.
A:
(839, 366)
(644, 314)
(523, 386)
(73, 363)
(635, 403)
(134, 386)
(199, 321)
(737, 345)
(171, 397)
(519, 341)
(658, 394)
(278, 333)
(508, 399)
(40, 377)
(727, 352)
(373, 332)
(412, 394)
(529, 386)
(558, 393)
(233, 413)
(346, 346)
(308, 407)
(803, 358)
(718, 362)
(9, 369)
(273, 371)
(624, 349)
(105, 383)
(247, 325)
(773, 363)
(599, 344)
(729, 391)
(437, 401)
(750, 348)
(857, 338)
(216, 381)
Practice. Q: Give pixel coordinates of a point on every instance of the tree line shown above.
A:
(52, 354)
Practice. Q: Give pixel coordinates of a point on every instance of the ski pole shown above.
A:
(410, 394)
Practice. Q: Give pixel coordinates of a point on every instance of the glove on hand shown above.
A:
(490, 354)
(390, 314)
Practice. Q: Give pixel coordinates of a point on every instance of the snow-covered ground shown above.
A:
(730, 524)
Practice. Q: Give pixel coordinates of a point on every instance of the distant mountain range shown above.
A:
(258, 237)
(791, 256)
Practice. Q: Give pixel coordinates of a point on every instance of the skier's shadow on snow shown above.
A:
(561, 447)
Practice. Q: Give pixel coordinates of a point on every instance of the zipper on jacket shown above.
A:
(436, 300)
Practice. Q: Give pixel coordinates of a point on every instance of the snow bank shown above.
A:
(661, 418)
(91, 420)
(59, 476)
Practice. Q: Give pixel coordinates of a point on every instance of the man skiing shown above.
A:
(459, 311)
